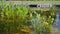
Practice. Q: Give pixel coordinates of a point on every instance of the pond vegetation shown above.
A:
(22, 20)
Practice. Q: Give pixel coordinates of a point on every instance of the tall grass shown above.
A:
(15, 18)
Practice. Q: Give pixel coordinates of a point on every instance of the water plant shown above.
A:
(15, 18)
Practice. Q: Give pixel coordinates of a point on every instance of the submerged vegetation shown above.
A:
(21, 20)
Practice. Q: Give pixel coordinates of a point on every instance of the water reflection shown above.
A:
(56, 25)
(57, 21)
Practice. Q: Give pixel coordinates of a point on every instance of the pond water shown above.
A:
(57, 21)
(56, 25)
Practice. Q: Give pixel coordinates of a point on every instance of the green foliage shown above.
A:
(13, 17)
(21, 11)
(43, 21)
(21, 15)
